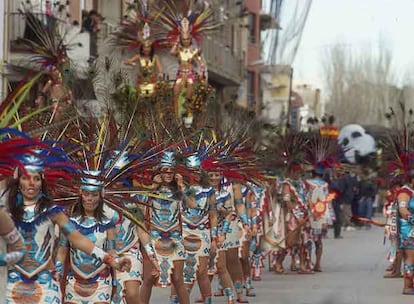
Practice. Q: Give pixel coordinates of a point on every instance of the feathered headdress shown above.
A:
(398, 143)
(286, 153)
(109, 163)
(230, 155)
(191, 22)
(136, 27)
(321, 153)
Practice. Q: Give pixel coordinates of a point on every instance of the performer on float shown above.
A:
(150, 68)
(187, 56)
(390, 210)
(199, 229)
(164, 220)
(88, 280)
(55, 91)
(183, 30)
(32, 279)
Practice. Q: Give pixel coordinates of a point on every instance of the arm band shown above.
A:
(214, 232)
(410, 219)
(149, 249)
(238, 201)
(59, 267)
(244, 218)
(254, 220)
(63, 241)
(12, 237)
(11, 258)
(99, 254)
(68, 228)
(403, 204)
(226, 226)
(110, 245)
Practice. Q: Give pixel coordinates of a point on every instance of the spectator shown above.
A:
(91, 24)
(346, 187)
(368, 191)
(48, 14)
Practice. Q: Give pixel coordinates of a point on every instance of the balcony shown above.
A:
(17, 26)
(17, 29)
(222, 65)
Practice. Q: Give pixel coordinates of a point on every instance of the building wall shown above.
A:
(276, 88)
(111, 10)
(253, 8)
(310, 97)
(3, 46)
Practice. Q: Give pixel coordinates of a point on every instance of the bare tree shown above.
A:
(360, 85)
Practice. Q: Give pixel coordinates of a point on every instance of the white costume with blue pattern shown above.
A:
(31, 281)
(89, 280)
(196, 231)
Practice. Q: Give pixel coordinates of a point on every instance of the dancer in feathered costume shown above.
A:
(12, 249)
(107, 171)
(390, 210)
(283, 232)
(164, 218)
(255, 255)
(237, 164)
(321, 154)
(32, 279)
(400, 165)
(199, 221)
(88, 280)
(183, 29)
(129, 236)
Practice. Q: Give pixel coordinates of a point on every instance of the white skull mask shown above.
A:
(355, 141)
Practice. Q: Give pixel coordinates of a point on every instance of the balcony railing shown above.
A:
(221, 61)
(17, 26)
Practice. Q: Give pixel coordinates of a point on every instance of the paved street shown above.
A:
(353, 269)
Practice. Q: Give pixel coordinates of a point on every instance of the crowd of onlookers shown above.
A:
(358, 195)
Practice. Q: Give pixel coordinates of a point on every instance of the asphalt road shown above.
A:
(352, 274)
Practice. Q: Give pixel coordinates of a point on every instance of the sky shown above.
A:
(358, 24)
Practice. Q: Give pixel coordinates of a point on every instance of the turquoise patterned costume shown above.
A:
(406, 229)
(196, 231)
(31, 280)
(89, 280)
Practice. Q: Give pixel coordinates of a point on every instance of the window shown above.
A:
(250, 88)
(252, 28)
